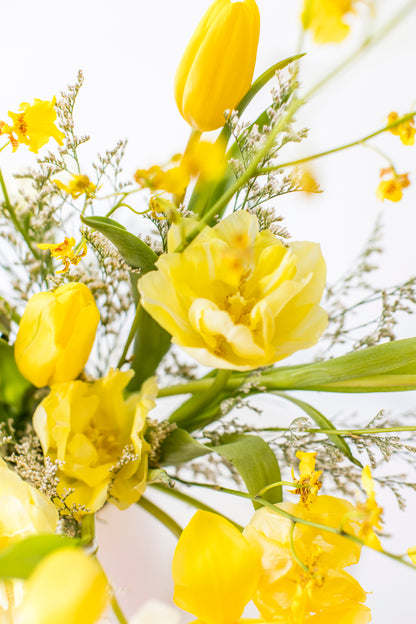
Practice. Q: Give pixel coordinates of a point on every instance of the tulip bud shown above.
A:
(56, 334)
(217, 67)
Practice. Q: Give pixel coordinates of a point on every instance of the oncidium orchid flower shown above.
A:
(406, 131)
(65, 251)
(308, 484)
(33, 125)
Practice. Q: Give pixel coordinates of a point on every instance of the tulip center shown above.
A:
(105, 441)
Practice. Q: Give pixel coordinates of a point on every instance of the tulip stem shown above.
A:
(15, 220)
(130, 337)
(294, 519)
(190, 500)
(300, 161)
(117, 609)
(160, 515)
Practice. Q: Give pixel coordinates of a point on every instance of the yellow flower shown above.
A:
(218, 64)
(172, 180)
(368, 514)
(308, 483)
(215, 570)
(78, 185)
(56, 334)
(326, 19)
(65, 251)
(34, 125)
(412, 553)
(323, 592)
(99, 437)
(406, 131)
(204, 159)
(23, 509)
(237, 298)
(68, 587)
(392, 188)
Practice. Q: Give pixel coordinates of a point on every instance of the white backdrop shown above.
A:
(129, 51)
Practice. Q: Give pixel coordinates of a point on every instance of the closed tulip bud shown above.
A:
(56, 334)
(217, 67)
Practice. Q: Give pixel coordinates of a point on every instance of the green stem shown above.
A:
(276, 484)
(190, 500)
(117, 609)
(160, 515)
(130, 337)
(347, 432)
(15, 220)
(293, 551)
(299, 161)
(285, 514)
(204, 399)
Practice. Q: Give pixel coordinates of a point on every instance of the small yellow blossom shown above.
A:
(308, 483)
(33, 125)
(369, 514)
(204, 159)
(68, 587)
(56, 334)
(412, 554)
(65, 251)
(305, 181)
(237, 298)
(218, 64)
(215, 569)
(99, 437)
(78, 185)
(326, 19)
(406, 131)
(392, 188)
(172, 180)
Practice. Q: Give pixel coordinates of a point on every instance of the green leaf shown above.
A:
(323, 423)
(374, 367)
(255, 461)
(20, 559)
(180, 447)
(134, 251)
(13, 386)
(150, 345)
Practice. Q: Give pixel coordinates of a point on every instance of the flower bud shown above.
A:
(56, 334)
(217, 67)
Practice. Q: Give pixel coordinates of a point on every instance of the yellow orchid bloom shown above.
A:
(369, 513)
(392, 188)
(308, 483)
(215, 570)
(327, 19)
(33, 125)
(65, 251)
(77, 185)
(406, 131)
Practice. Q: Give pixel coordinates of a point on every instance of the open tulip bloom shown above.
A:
(220, 309)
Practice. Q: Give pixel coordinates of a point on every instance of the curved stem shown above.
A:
(190, 500)
(293, 551)
(160, 515)
(299, 161)
(117, 609)
(130, 337)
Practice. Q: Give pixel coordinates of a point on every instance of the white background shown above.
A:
(129, 51)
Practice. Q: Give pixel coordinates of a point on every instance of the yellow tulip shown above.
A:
(99, 437)
(218, 64)
(236, 298)
(66, 587)
(56, 334)
(215, 570)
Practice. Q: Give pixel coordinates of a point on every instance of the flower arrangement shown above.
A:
(150, 327)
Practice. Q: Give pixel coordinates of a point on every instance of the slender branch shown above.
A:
(293, 551)
(190, 500)
(160, 515)
(299, 161)
(130, 337)
(117, 609)
(347, 432)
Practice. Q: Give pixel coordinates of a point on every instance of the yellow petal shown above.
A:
(215, 570)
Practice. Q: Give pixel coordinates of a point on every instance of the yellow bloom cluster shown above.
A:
(237, 298)
(77, 185)
(326, 19)
(33, 125)
(406, 131)
(99, 438)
